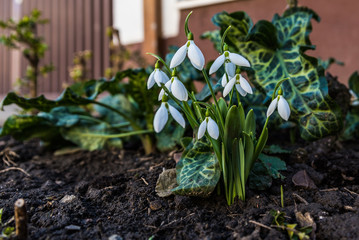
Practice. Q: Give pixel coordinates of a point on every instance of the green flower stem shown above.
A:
(90, 118)
(133, 124)
(162, 61)
(214, 96)
(146, 139)
(192, 121)
(120, 135)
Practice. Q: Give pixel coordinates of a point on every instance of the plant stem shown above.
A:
(214, 96)
(120, 135)
(145, 139)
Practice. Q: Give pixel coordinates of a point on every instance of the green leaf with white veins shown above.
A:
(198, 170)
(276, 50)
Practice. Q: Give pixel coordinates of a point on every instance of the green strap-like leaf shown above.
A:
(198, 171)
(276, 51)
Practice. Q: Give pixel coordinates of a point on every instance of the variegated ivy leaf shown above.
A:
(276, 51)
(198, 170)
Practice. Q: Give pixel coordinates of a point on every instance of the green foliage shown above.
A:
(294, 232)
(276, 51)
(23, 36)
(351, 129)
(6, 232)
(198, 171)
(127, 111)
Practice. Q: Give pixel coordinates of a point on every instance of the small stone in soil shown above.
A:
(115, 237)
(68, 199)
(73, 228)
(155, 205)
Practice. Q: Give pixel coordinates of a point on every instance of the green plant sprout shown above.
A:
(24, 37)
(6, 232)
(291, 228)
(228, 131)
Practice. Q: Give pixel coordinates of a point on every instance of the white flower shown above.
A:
(157, 76)
(354, 98)
(176, 87)
(161, 117)
(282, 105)
(194, 54)
(211, 126)
(242, 85)
(229, 60)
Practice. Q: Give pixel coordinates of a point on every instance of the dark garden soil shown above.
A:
(96, 195)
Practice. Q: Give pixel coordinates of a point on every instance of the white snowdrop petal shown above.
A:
(160, 118)
(240, 90)
(161, 95)
(212, 128)
(283, 108)
(177, 116)
(245, 85)
(179, 90)
(238, 60)
(195, 56)
(151, 80)
(272, 107)
(161, 77)
(179, 56)
(224, 80)
(217, 64)
(230, 69)
(229, 86)
(202, 129)
(168, 85)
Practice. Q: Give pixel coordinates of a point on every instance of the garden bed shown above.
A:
(98, 194)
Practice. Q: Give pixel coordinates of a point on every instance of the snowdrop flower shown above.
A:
(194, 54)
(211, 126)
(282, 105)
(242, 85)
(354, 98)
(161, 117)
(176, 87)
(230, 60)
(157, 76)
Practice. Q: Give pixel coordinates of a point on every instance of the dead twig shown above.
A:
(15, 168)
(300, 198)
(354, 193)
(136, 169)
(260, 224)
(176, 220)
(20, 219)
(144, 180)
(329, 190)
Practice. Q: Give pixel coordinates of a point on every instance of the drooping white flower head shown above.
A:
(161, 117)
(157, 76)
(242, 85)
(281, 104)
(211, 126)
(354, 100)
(230, 60)
(176, 87)
(194, 54)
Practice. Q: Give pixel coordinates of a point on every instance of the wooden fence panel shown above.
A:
(74, 25)
(5, 54)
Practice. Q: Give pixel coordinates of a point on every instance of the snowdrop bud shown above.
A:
(179, 90)
(283, 108)
(212, 128)
(160, 118)
(282, 105)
